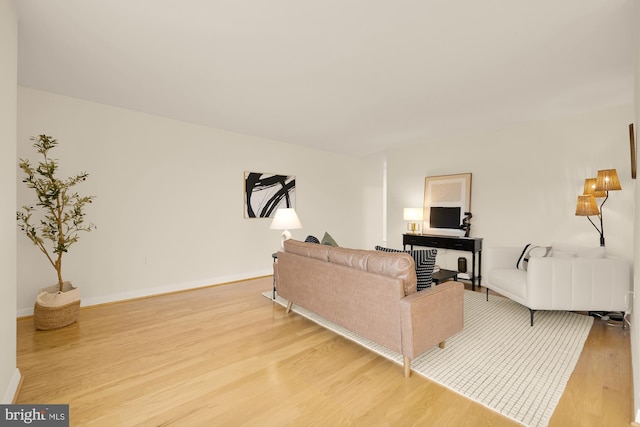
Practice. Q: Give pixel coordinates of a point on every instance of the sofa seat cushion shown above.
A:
(511, 283)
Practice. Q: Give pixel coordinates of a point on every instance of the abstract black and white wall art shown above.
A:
(266, 192)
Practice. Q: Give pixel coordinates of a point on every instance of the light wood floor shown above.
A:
(228, 356)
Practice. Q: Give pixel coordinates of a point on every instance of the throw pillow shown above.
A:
(530, 251)
(312, 239)
(328, 240)
(424, 259)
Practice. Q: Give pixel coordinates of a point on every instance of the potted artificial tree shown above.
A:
(59, 219)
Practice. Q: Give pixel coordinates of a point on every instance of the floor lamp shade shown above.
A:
(587, 206)
(590, 188)
(285, 219)
(607, 180)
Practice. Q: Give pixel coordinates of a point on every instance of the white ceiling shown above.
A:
(350, 76)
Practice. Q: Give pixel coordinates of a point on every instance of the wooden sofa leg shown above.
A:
(441, 345)
(289, 305)
(532, 311)
(407, 367)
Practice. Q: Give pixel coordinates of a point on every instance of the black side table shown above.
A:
(443, 275)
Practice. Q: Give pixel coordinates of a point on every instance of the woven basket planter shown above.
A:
(54, 309)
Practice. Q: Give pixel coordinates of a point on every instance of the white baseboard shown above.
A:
(11, 393)
(175, 287)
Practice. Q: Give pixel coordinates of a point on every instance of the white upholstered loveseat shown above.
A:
(574, 279)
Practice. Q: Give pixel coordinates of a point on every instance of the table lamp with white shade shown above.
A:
(414, 216)
(285, 219)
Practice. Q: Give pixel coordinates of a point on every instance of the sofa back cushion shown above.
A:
(395, 265)
(567, 250)
(311, 250)
(425, 261)
(386, 264)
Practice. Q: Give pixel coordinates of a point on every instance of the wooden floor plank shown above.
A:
(225, 355)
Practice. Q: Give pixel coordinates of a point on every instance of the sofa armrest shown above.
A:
(431, 316)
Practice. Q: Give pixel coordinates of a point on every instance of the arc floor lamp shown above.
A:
(597, 188)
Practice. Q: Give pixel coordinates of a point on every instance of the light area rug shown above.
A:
(498, 359)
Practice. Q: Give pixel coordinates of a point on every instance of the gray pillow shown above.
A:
(328, 240)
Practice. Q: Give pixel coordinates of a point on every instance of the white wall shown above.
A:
(9, 374)
(373, 201)
(525, 181)
(169, 206)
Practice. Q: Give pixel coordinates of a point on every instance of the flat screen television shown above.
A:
(444, 217)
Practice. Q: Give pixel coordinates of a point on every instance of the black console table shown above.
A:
(467, 244)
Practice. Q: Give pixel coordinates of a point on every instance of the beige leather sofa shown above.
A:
(371, 293)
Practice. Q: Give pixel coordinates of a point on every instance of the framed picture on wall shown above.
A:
(447, 199)
(632, 143)
(266, 192)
